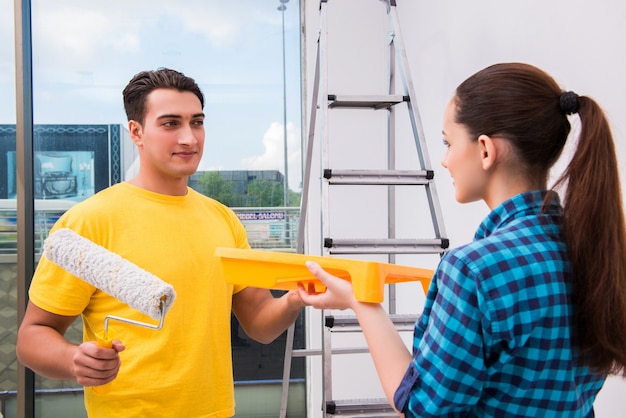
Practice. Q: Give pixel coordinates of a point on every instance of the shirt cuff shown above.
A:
(401, 397)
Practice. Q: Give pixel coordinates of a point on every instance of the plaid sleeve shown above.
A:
(448, 369)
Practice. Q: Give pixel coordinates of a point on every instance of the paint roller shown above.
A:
(112, 274)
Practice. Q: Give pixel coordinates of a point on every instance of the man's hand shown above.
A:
(94, 365)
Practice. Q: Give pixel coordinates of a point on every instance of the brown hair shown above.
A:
(521, 103)
(145, 82)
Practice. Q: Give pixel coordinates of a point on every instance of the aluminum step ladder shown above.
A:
(390, 177)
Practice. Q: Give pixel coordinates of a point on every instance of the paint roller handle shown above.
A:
(104, 342)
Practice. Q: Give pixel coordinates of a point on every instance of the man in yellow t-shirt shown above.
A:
(157, 222)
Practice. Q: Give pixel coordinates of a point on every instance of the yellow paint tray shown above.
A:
(283, 271)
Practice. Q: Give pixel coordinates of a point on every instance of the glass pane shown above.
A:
(8, 225)
(84, 53)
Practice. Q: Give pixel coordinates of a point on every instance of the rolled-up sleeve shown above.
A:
(401, 397)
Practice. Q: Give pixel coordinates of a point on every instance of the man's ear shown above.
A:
(488, 151)
(136, 132)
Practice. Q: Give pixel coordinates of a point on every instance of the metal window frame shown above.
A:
(25, 194)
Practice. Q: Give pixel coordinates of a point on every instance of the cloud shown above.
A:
(273, 154)
(84, 53)
(79, 30)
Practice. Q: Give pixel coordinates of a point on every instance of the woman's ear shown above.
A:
(488, 151)
(135, 130)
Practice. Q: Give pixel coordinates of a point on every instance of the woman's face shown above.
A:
(462, 158)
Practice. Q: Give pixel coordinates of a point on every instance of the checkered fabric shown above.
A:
(495, 338)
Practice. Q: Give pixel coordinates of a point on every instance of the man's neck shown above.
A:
(172, 187)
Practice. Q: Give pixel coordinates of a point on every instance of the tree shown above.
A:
(294, 198)
(260, 193)
(264, 193)
(213, 185)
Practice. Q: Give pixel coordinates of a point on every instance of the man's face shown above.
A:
(171, 139)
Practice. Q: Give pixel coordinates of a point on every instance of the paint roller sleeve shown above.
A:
(109, 272)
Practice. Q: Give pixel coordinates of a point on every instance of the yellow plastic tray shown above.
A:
(283, 271)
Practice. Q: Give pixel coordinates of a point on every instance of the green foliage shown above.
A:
(260, 193)
(265, 193)
(294, 198)
(213, 185)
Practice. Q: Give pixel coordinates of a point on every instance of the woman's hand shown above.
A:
(338, 295)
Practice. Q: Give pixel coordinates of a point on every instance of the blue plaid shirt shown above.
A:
(495, 338)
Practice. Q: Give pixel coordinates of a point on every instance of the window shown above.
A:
(83, 55)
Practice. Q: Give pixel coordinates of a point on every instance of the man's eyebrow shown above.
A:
(175, 116)
(169, 116)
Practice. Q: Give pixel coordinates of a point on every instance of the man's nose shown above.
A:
(188, 136)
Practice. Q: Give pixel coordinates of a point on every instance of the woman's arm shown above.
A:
(389, 352)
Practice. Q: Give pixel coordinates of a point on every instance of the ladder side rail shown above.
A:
(284, 397)
(435, 209)
(324, 141)
(416, 122)
(391, 165)
(327, 378)
(324, 212)
(304, 202)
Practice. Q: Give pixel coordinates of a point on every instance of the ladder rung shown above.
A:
(338, 350)
(382, 101)
(402, 322)
(384, 177)
(360, 407)
(386, 246)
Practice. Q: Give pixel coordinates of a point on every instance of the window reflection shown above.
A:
(83, 55)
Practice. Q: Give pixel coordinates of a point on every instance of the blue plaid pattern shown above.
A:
(495, 338)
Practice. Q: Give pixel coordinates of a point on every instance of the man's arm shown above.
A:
(264, 317)
(42, 347)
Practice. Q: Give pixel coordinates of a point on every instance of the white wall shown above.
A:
(580, 43)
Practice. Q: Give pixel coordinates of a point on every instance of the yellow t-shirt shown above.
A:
(184, 369)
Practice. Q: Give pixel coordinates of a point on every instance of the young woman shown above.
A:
(530, 317)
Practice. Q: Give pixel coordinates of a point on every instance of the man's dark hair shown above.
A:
(145, 82)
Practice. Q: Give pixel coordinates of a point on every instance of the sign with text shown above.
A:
(261, 216)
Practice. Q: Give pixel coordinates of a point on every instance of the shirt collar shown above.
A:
(524, 203)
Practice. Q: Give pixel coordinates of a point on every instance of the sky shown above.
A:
(84, 53)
